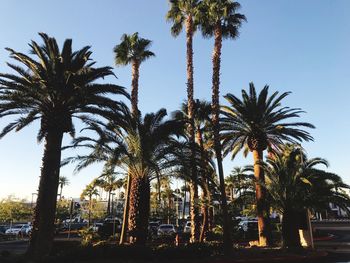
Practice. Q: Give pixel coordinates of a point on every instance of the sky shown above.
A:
(298, 46)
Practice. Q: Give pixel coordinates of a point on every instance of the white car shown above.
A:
(248, 225)
(166, 230)
(16, 230)
(187, 228)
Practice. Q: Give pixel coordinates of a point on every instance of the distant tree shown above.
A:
(14, 209)
(63, 181)
(90, 191)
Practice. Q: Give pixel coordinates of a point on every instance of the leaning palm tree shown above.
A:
(255, 123)
(219, 18)
(54, 88)
(63, 181)
(184, 13)
(132, 50)
(295, 185)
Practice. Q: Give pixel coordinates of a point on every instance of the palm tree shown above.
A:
(132, 50)
(201, 118)
(140, 149)
(185, 13)
(55, 88)
(255, 123)
(109, 181)
(295, 184)
(89, 191)
(219, 18)
(63, 181)
(237, 180)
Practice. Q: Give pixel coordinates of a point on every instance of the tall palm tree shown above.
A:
(63, 181)
(56, 87)
(295, 184)
(184, 13)
(219, 18)
(132, 50)
(255, 123)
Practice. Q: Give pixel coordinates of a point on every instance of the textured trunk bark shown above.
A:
(216, 129)
(135, 66)
(44, 215)
(139, 210)
(190, 109)
(205, 212)
(61, 192)
(205, 187)
(184, 207)
(261, 200)
(126, 212)
(89, 214)
(290, 231)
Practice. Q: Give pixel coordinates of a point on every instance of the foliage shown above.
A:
(294, 182)
(14, 209)
(88, 236)
(258, 121)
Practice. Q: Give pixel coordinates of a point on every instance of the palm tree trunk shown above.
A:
(89, 215)
(290, 231)
(61, 187)
(216, 129)
(139, 209)
(260, 199)
(135, 66)
(109, 203)
(190, 109)
(184, 207)
(44, 215)
(126, 211)
(205, 189)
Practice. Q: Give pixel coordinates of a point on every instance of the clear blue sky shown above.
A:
(299, 46)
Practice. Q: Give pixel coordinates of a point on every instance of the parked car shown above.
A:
(3, 229)
(187, 228)
(248, 225)
(166, 230)
(16, 229)
(153, 227)
(26, 230)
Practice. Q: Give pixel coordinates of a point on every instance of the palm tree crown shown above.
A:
(221, 15)
(258, 121)
(132, 48)
(179, 13)
(55, 88)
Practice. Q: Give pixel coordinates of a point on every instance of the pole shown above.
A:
(70, 217)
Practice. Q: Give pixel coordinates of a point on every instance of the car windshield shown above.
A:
(188, 224)
(17, 226)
